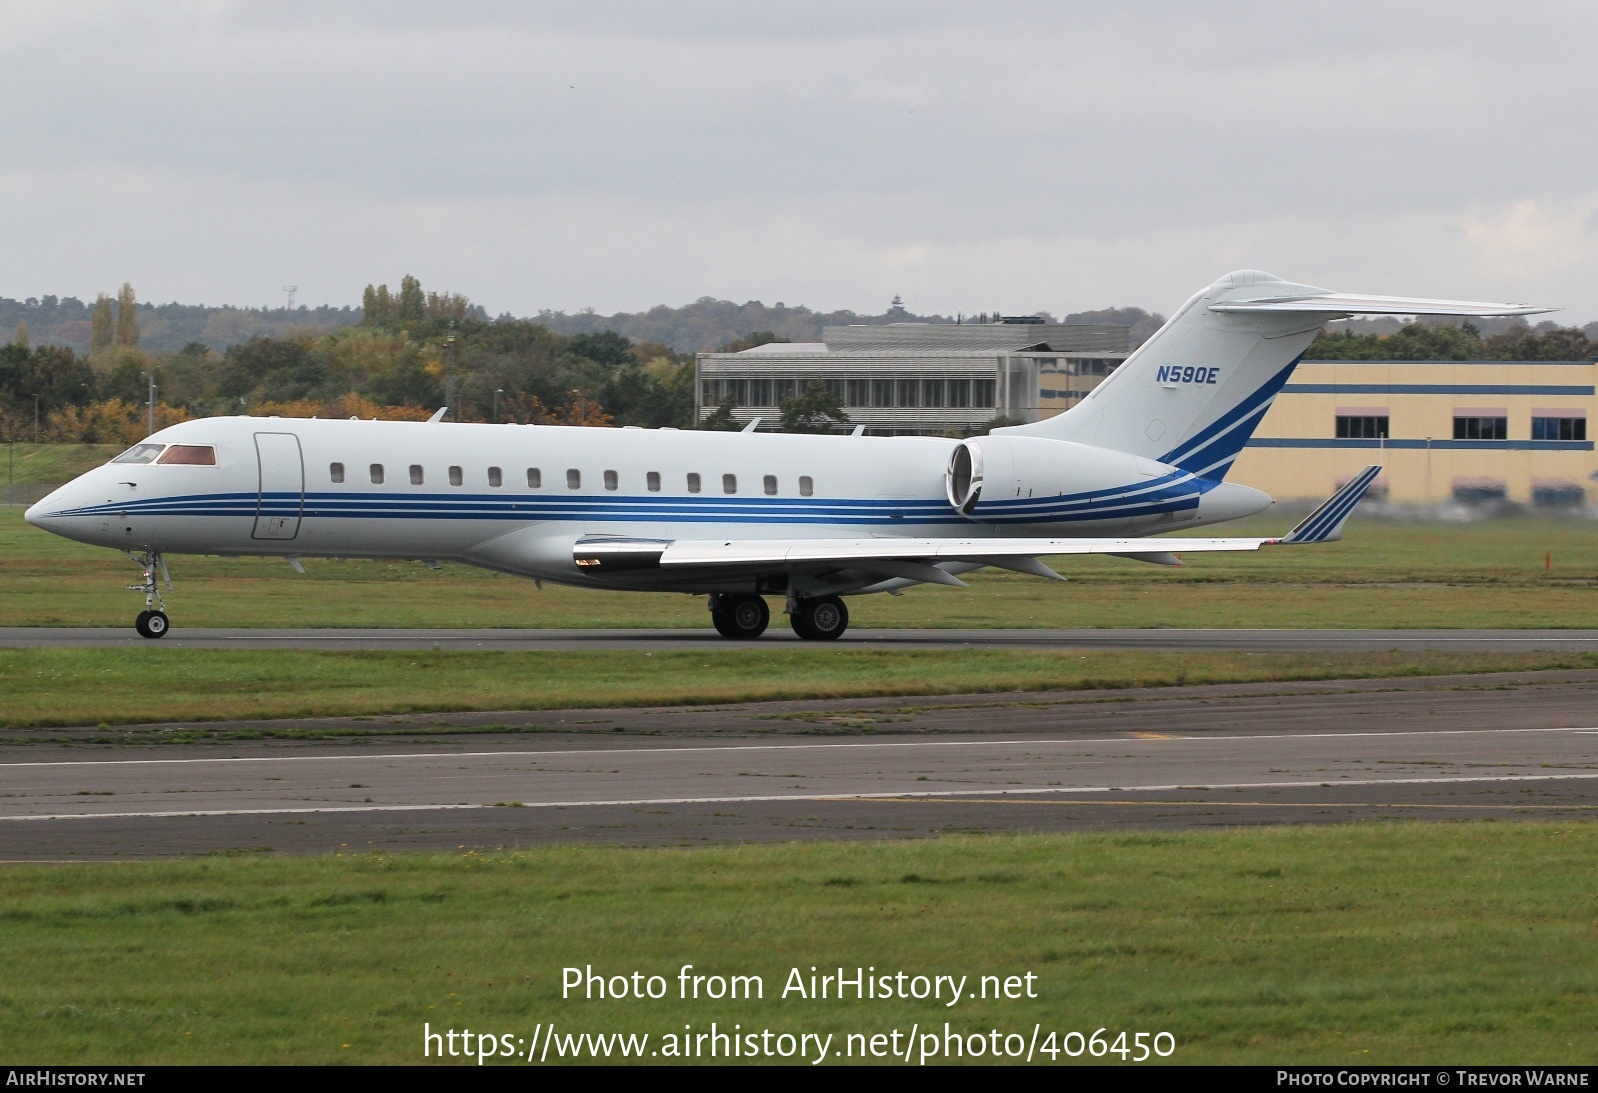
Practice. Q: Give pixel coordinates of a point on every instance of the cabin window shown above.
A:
(611, 481)
(806, 486)
(377, 474)
(771, 485)
(652, 480)
(494, 477)
(455, 476)
(189, 455)
(693, 483)
(729, 483)
(335, 471)
(574, 479)
(535, 478)
(139, 453)
(416, 474)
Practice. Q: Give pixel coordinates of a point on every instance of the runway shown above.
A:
(1503, 746)
(698, 639)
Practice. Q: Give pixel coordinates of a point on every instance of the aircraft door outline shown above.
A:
(280, 499)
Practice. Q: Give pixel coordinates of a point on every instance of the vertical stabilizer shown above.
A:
(1193, 394)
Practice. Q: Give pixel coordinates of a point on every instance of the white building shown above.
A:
(921, 378)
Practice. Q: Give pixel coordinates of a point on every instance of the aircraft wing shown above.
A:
(917, 558)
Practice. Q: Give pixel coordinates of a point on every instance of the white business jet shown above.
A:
(739, 516)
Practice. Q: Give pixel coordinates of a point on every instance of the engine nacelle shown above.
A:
(997, 468)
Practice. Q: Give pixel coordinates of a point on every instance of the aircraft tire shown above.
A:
(152, 624)
(741, 617)
(824, 618)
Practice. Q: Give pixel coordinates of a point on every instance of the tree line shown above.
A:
(1450, 342)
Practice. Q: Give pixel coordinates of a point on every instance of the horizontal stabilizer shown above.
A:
(1342, 303)
(1325, 524)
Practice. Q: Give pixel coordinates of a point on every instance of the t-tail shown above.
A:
(1193, 394)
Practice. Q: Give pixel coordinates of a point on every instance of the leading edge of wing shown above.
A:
(746, 552)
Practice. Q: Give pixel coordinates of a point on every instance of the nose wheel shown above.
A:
(152, 621)
(151, 624)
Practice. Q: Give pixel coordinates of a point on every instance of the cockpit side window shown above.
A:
(189, 455)
(140, 453)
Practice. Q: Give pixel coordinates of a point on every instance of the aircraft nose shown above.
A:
(46, 507)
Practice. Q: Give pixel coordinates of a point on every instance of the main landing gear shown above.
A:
(821, 618)
(152, 621)
(743, 617)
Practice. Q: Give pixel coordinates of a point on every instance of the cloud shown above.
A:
(623, 154)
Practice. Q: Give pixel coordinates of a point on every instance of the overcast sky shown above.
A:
(965, 156)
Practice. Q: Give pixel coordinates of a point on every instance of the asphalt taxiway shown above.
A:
(1504, 745)
(531, 640)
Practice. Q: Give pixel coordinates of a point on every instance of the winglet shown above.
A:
(1325, 524)
(438, 415)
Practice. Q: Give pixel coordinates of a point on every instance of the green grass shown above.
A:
(1408, 944)
(1489, 574)
(51, 464)
(122, 686)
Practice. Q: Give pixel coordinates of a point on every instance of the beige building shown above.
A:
(1472, 432)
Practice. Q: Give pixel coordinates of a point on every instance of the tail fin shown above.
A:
(1193, 394)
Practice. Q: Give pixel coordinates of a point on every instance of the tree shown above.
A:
(816, 410)
(369, 313)
(749, 341)
(101, 323)
(127, 328)
(720, 420)
(22, 333)
(412, 302)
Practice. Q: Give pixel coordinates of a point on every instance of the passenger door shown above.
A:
(282, 494)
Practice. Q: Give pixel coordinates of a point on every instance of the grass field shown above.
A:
(123, 686)
(1364, 944)
(1500, 573)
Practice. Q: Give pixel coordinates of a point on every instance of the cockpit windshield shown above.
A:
(140, 453)
(192, 455)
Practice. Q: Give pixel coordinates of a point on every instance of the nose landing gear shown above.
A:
(152, 621)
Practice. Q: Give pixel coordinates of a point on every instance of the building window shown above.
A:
(859, 392)
(652, 480)
(1559, 428)
(455, 476)
(1361, 427)
(335, 471)
(1481, 428)
(729, 483)
(1480, 491)
(535, 478)
(806, 486)
(377, 474)
(416, 474)
(611, 481)
(693, 483)
(982, 392)
(909, 391)
(882, 391)
(960, 391)
(495, 479)
(771, 485)
(574, 479)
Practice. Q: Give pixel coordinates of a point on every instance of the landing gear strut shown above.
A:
(739, 616)
(823, 618)
(152, 621)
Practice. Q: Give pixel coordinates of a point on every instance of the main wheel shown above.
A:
(152, 624)
(743, 617)
(821, 619)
